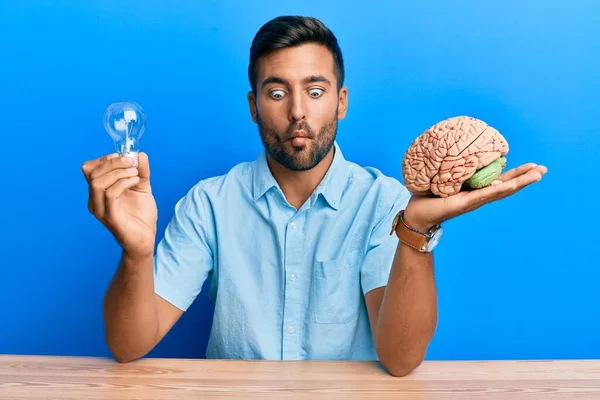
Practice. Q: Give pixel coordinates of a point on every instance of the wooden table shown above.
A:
(44, 377)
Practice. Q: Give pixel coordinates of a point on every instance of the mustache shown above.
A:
(300, 126)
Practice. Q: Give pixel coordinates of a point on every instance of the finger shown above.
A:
(479, 197)
(144, 173)
(87, 169)
(111, 164)
(524, 180)
(143, 165)
(113, 193)
(513, 173)
(91, 207)
(88, 166)
(520, 182)
(102, 183)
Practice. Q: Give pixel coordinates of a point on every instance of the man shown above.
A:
(296, 244)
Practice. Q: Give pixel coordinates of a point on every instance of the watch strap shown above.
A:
(407, 235)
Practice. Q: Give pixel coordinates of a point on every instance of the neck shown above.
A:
(297, 186)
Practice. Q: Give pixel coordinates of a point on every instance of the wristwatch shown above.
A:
(424, 242)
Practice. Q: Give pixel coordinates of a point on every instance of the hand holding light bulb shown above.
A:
(120, 195)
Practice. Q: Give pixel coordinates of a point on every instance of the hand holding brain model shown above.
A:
(456, 166)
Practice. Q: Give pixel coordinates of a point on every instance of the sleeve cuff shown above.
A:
(374, 281)
(171, 295)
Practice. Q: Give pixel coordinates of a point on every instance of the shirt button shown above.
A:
(293, 225)
(291, 329)
(293, 277)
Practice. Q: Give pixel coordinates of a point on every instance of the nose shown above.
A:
(297, 110)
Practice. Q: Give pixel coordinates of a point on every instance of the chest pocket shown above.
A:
(337, 291)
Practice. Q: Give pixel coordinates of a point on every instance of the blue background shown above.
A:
(517, 279)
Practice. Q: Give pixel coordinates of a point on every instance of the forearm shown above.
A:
(408, 313)
(130, 310)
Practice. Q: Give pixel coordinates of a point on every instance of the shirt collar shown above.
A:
(331, 187)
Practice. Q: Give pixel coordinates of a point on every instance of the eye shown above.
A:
(277, 94)
(315, 92)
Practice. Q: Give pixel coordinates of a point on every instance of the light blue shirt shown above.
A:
(287, 284)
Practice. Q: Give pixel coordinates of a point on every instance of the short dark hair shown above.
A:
(290, 31)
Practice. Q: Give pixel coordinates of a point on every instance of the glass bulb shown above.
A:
(125, 122)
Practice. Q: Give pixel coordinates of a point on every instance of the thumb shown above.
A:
(143, 172)
(143, 166)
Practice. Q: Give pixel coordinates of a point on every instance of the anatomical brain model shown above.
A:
(459, 153)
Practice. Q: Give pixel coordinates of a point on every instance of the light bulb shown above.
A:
(125, 122)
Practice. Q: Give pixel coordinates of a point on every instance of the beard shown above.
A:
(303, 157)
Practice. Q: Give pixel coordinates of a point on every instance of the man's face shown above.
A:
(297, 105)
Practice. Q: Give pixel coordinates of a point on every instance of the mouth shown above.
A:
(299, 134)
(299, 138)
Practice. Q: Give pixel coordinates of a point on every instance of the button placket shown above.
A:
(292, 302)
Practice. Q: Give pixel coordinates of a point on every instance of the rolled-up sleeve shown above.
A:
(377, 264)
(184, 257)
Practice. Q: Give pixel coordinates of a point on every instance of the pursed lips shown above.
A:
(301, 134)
(299, 138)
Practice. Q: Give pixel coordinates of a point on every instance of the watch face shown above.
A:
(434, 239)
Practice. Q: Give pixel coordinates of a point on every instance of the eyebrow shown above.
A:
(308, 79)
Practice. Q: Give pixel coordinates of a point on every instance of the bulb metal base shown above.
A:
(134, 155)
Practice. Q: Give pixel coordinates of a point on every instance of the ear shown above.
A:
(252, 105)
(342, 103)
